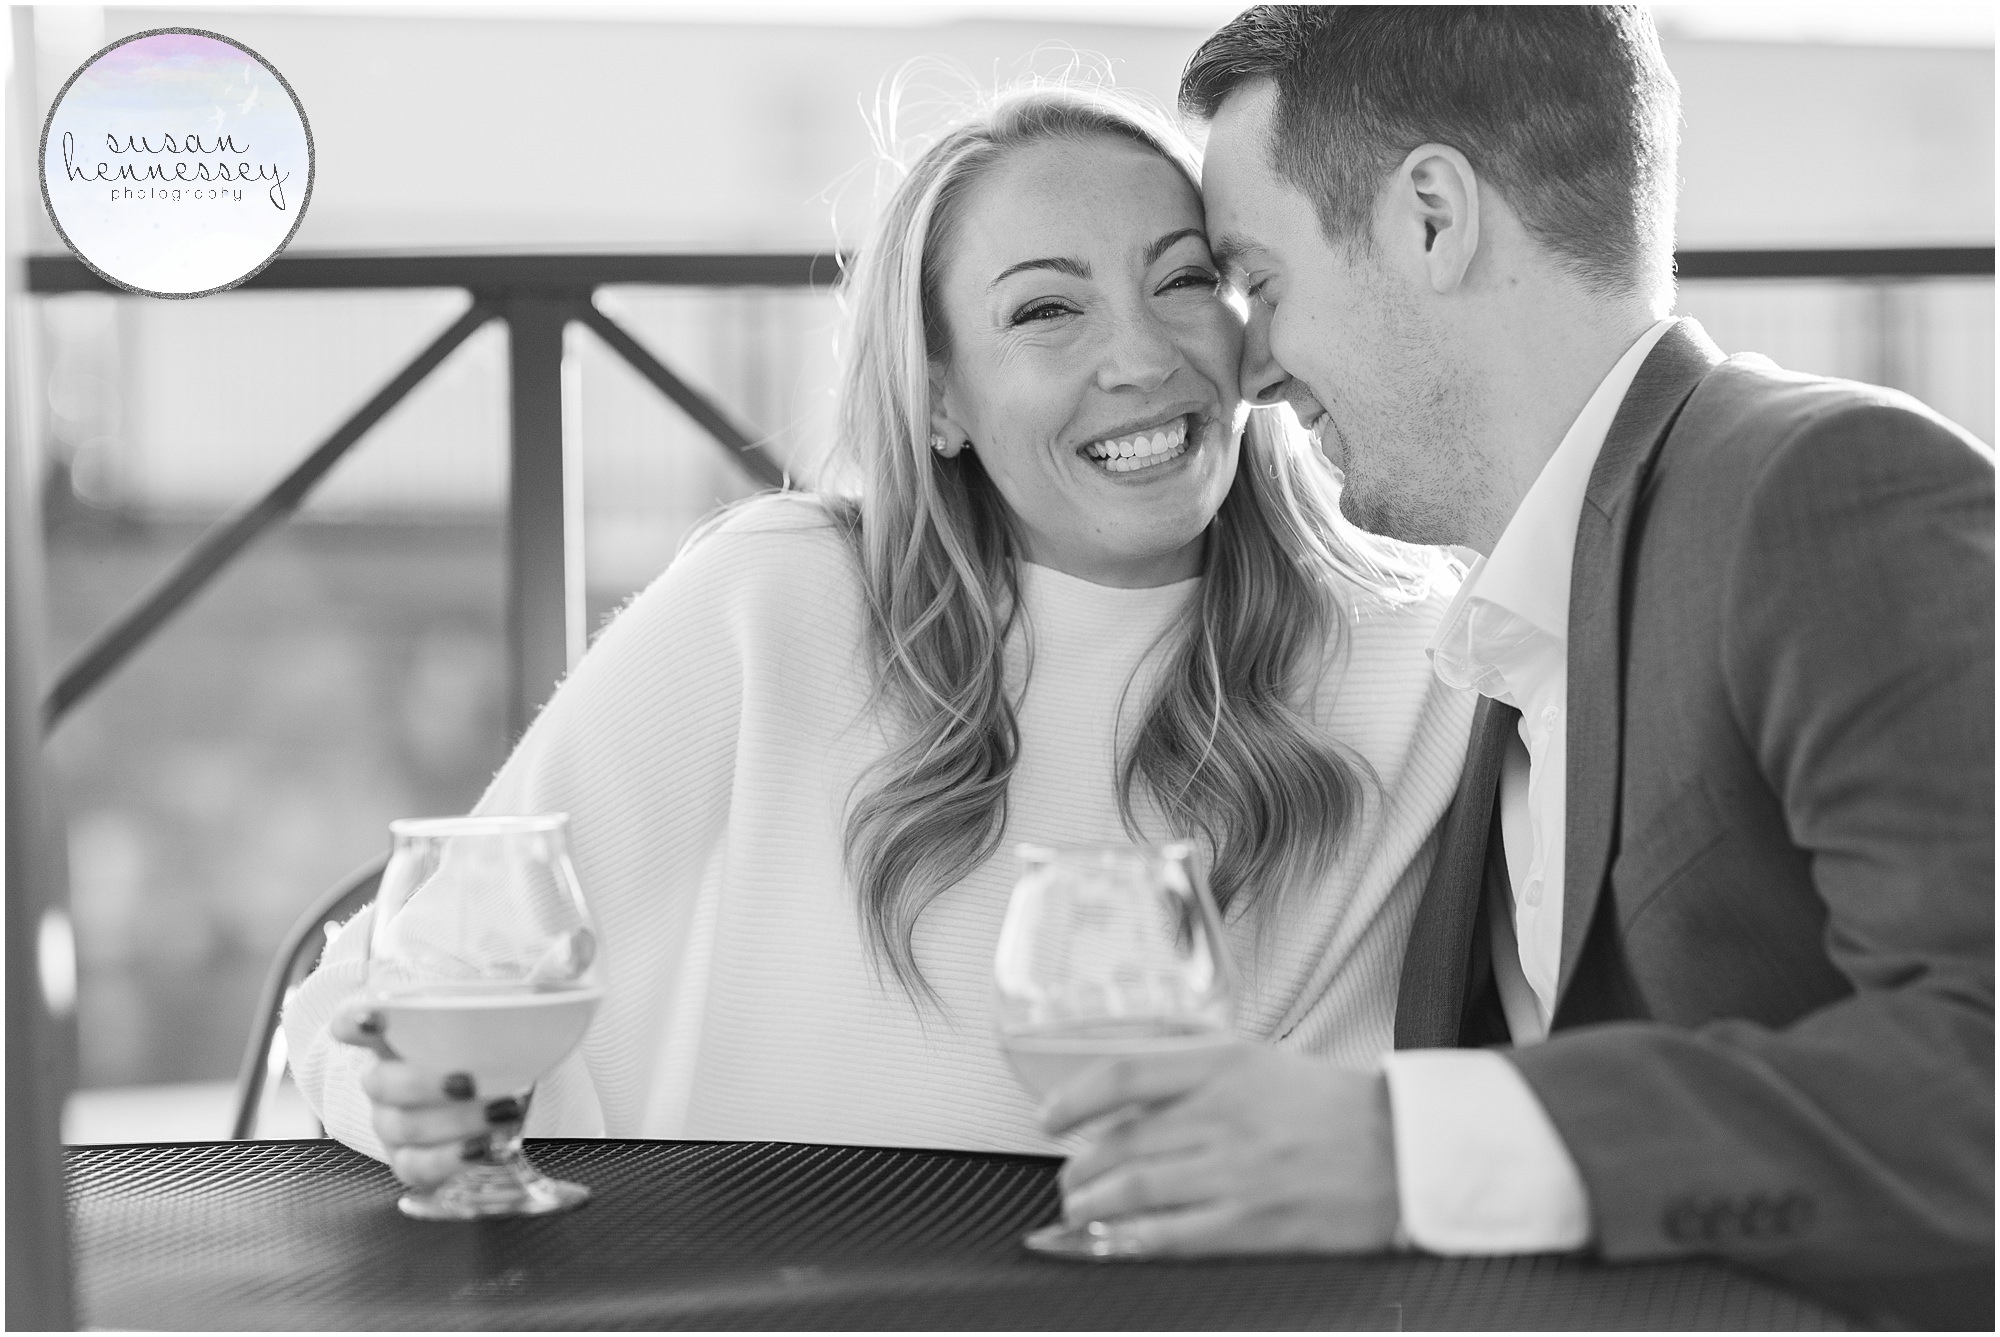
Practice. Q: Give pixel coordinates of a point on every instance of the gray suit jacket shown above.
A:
(1773, 1038)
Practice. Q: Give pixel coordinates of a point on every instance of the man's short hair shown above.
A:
(1568, 110)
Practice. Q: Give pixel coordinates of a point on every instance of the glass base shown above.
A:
(1092, 1239)
(511, 1188)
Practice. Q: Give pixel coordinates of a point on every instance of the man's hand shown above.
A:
(1238, 1149)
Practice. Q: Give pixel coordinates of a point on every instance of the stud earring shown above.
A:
(938, 442)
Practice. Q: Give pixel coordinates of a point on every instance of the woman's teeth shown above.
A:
(1142, 451)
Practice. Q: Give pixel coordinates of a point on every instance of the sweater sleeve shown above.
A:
(638, 745)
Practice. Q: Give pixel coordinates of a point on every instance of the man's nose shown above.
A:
(1261, 379)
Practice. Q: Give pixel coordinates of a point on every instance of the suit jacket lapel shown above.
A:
(1436, 963)
(1668, 376)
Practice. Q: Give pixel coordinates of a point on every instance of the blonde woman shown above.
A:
(1067, 598)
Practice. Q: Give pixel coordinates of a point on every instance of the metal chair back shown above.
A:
(264, 1058)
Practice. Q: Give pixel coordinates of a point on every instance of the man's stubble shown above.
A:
(1404, 436)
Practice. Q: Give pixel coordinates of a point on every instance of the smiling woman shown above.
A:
(1061, 596)
(1096, 377)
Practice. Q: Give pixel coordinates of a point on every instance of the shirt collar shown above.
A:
(1529, 572)
(1526, 580)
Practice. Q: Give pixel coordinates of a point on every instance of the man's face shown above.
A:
(1353, 340)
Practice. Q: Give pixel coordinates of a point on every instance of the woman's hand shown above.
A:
(431, 1123)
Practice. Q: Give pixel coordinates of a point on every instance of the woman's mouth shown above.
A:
(1141, 450)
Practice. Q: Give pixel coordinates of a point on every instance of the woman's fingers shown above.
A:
(428, 1165)
(431, 1126)
(430, 1136)
(428, 1125)
(391, 1081)
(357, 1022)
(431, 1123)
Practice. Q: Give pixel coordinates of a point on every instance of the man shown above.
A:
(1705, 965)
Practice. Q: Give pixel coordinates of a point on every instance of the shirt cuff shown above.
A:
(1480, 1169)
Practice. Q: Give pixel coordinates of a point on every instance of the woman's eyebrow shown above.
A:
(1161, 247)
(1062, 264)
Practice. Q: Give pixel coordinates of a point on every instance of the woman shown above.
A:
(1057, 606)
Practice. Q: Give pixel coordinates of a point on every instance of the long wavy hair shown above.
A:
(1226, 751)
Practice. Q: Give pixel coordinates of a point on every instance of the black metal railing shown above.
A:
(1869, 263)
(538, 296)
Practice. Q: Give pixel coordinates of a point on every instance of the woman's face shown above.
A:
(1093, 363)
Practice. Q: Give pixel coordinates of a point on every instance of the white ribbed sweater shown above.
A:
(705, 748)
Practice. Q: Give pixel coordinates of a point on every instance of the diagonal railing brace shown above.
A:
(747, 450)
(192, 573)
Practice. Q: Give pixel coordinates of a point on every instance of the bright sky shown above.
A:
(1905, 23)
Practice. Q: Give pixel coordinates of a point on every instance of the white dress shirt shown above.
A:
(1480, 1168)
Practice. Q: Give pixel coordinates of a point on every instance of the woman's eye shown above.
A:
(1041, 311)
(1194, 279)
(1256, 292)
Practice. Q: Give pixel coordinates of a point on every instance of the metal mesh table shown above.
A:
(763, 1235)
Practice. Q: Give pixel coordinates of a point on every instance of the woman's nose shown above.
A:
(1261, 379)
(1140, 354)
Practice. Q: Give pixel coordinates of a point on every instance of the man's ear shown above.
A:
(1433, 204)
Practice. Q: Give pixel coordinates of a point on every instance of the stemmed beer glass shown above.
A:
(1106, 950)
(482, 961)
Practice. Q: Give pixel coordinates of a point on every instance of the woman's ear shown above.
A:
(1432, 213)
(947, 436)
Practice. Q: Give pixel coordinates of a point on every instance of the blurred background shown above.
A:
(350, 668)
